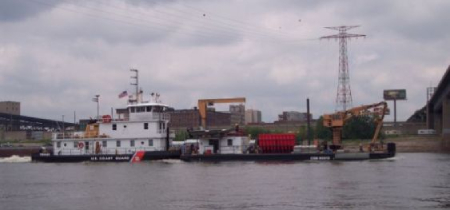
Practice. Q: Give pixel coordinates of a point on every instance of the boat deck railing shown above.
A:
(161, 116)
(147, 116)
(103, 151)
(76, 135)
(82, 135)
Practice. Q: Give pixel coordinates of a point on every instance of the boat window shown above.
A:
(114, 127)
(230, 142)
(131, 143)
(149, 108)
(104, 144)
(156, 109)
(150, 142)
(117, 143)
(162, 126)
(65, 144)
(75, 144)
(140, 109)
(132, 109)
(87, 146)
(146, 126)
(58, 144)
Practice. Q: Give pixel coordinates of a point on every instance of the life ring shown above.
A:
(80, 145)
(106, 118)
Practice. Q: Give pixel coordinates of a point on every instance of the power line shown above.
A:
(240, 22)
(199, 20)
(171, 30)
(206, 31)
(226, 23)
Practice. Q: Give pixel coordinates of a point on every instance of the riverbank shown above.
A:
(410, 144)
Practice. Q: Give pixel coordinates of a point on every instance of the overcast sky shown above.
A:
(56, 55)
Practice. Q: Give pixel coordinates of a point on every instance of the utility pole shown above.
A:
(344, 94)
(308, 117)
(136, 78)
(64, 129)
(96, 99)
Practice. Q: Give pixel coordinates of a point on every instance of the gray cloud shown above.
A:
(14, 11)
(54, 58)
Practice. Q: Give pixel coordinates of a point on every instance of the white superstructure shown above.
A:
(227, 144)
(144, 127)
(141, 126)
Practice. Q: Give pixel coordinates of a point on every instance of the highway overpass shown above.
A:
(438, 110)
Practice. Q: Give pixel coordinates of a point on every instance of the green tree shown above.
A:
(181, 135)
(302, 134)
(360, 127)
(322, 132)
(255, 131)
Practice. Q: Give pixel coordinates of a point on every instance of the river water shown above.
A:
(408, 181)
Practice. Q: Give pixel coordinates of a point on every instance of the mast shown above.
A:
(136, 83)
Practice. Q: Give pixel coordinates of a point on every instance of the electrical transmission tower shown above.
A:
(344, 94)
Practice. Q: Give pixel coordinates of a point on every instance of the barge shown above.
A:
(228, 145)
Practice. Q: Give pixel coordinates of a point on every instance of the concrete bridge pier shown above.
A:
(446, 122)
(438, 110)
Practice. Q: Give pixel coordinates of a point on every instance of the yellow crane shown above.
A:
(337, 120)
(203, 103)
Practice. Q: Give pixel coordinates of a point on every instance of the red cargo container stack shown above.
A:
(276, 143)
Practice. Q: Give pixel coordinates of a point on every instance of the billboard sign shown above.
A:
(394, 94)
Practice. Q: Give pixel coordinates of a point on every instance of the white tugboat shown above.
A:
(140, 132)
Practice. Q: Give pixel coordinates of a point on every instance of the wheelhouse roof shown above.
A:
(148, 104)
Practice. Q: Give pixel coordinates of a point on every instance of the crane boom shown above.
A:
(337, 120)
(203, 103)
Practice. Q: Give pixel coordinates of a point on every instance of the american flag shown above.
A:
(123, 94)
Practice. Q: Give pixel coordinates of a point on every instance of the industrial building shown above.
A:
(14, 126)
(290, 116)
(238, 112)
(10, 107)
(190, 118)
(252, 116)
